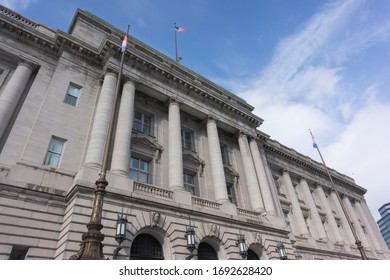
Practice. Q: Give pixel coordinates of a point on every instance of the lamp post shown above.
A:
(120, 234)
(92, 248)
(242, 246)
(191, 243)
(282, 251)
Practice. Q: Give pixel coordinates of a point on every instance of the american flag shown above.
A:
(314, 140)
(124, 43)
(179, 29)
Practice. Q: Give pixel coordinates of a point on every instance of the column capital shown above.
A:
(27, 62)
(285, 170)
(111, 72)
(172, 101)
(242, 134)
(211, 118)
(302, 178)
(129, 80)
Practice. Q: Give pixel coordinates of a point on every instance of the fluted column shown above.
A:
(101, 121)
(374, 227)
(329, 214)
(315, 216)
(262, 177)
(347, 230)
(296, 208)
(12, 93)
(370, 231)
(175, 156)
(355, 221)
(217, 170)
(121, 153)
(250, 174)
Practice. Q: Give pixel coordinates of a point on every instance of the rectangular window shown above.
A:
(72, 94)
(140, 170)
(186, 138)
(142, 123)
(54, 152)
(231, 193)
(225, 155)
(18, 253)
(189, 183)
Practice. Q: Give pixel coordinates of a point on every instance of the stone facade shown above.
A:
(185, 151)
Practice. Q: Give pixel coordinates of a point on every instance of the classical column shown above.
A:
(217, 170)
(355, 222)
(101, 121)
(315, 216)
(121, 153)
(250, 174)
(261, 175)
(13, 92)
(296, 208)
(175, 156)
(366, 221)
(329, 215)
(374, 227)
(347, 230)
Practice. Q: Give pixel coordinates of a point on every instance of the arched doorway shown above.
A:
(146, 247)
(252, 255)
(206, 252)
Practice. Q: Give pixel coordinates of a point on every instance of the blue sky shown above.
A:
(323, 65)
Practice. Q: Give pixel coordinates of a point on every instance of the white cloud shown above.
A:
(18, 4)
(362, 152)
(305, 86)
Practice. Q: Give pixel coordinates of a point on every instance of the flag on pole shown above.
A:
(179, 29)
(124, 43)
(314, 140)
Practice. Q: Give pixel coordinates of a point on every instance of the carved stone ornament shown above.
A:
(214, 230)
(258, 238)
(155, 219)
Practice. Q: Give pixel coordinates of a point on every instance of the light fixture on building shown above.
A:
(282, 251)
(120, 234)
(242, 246)
(191, 243)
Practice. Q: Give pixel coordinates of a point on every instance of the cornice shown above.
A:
(28, 36)
(307, 163)
(138, 55)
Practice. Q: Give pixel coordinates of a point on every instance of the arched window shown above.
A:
(146, 247)
(206, 252)
(252, 255)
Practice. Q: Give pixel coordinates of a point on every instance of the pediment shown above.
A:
(146, 141)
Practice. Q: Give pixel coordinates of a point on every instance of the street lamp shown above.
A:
(92, 247)
(282, 251)
(242, 246)
(191, 243)
(120, 234)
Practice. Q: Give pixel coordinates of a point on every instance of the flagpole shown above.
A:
(178, 58)
(92, 248)
(357, 241)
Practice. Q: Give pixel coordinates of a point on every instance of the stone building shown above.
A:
(185, 152)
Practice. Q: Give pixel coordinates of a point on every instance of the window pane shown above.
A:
(53, 155)
(134, 163)
(73, 91)
(71, 100)
(72, 95)
(143, 177)
(144, 166)
(56, 146)
(133, 174)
